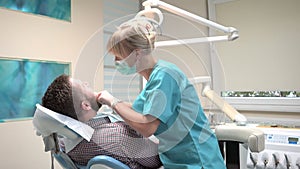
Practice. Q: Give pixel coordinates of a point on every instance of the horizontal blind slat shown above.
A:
(116, 12)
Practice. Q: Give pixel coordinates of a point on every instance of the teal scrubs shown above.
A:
(185, 138)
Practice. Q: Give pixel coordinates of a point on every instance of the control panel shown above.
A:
(281, 137)
(282, 150)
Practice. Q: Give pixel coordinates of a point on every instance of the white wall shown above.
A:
(266, 56)
(38, 37)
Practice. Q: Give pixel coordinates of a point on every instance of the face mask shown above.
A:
(123, 67)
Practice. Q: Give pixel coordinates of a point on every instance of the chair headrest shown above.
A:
(46, 122)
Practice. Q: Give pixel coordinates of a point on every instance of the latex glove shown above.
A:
(105, 98)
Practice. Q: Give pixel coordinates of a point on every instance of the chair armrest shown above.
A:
(106, 162)
(253, 137)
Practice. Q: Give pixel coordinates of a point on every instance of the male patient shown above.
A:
(75, 99)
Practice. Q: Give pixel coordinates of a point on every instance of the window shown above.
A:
(121, 86)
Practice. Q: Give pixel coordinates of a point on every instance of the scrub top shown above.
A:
(185, 137)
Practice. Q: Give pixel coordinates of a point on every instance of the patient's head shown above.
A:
(71, 97)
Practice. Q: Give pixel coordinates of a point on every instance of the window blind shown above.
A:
(124, 87)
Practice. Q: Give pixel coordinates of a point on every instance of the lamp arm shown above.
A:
(191, 41)
(233, 33)
(230, 111)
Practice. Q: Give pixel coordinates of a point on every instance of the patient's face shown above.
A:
(85, 92)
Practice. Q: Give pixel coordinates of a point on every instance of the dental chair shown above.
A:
(235, 140)
(53, 126)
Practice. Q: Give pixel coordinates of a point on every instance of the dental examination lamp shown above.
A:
(230, 111)
(150, 12)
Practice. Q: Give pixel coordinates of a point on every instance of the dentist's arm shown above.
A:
(144, 124)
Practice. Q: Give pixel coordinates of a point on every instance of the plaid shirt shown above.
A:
(119, 141)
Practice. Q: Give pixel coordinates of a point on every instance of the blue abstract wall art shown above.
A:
(23, 83)
(59, 9)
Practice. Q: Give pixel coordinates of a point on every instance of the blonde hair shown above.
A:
(138, 33)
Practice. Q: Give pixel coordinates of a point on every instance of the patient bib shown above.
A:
(72, 131)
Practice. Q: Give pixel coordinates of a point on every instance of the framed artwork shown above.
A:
(58, 9)
(23, 84)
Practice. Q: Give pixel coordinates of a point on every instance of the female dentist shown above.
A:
(168, 107)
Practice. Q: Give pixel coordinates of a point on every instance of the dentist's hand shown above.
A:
(105, 98)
